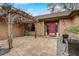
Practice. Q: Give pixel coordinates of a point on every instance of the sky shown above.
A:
(34, 9)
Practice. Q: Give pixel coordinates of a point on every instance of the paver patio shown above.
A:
(29, 46)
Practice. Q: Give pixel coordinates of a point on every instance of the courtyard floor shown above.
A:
(30, 46)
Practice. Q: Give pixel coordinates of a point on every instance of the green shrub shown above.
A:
(74, 29)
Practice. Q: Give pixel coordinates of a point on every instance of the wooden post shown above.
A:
(10, 35)
(45, 29)
(35, 30)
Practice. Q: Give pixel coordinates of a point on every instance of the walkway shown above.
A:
(29, 46)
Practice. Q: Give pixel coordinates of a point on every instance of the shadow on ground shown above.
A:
(3, 51)
(73, 49)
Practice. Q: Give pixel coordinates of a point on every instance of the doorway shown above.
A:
(51, 28)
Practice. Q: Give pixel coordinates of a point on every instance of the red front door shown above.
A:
(51, 27)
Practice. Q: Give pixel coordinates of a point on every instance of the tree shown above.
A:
(7, 8)
(72, 6)
(63, 6)
(56, 7)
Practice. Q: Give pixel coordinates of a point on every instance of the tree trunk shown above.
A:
(10, 35)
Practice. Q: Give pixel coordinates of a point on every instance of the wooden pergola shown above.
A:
(16, 15)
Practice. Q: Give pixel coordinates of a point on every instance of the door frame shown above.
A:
(46, 30)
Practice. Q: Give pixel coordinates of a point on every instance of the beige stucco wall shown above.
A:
(67, 23)
(40, 28)
(18, 30)
(76, 20)
(3, 30)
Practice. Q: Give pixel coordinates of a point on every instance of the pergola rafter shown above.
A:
(22, 14)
